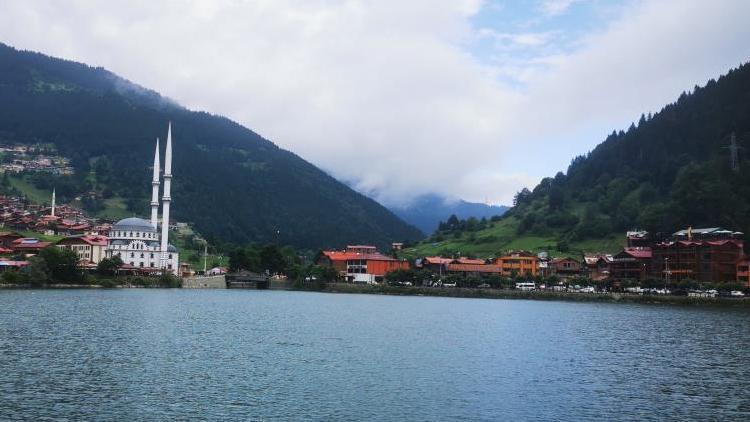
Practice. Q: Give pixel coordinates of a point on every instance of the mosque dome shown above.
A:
(134, 224)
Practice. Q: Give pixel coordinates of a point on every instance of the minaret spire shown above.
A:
(155, 188)
(53, 202)
(166, 199)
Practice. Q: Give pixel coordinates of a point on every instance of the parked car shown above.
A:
(636, 290)
(587, 289)
(736, 293)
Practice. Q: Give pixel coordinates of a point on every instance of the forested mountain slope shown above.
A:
(231, 183)
(667, 171)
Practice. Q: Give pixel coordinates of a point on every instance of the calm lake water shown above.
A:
(247, 355)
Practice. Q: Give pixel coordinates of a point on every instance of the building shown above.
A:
(633, 263)
(699, 260)
(6, 265)
(597, 266)
(137, 241)
(28, 245)
(7, 239)
(638, 239)
(88, 248)
(361, 264)
(566, 268)
(473, 269)
(460, 266)
(710, 233)
(743, 271)
(520, 263)
(435, 264)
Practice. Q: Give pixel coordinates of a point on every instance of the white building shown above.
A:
(89, 248)
(137, 241)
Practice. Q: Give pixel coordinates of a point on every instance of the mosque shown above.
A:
(135, 240)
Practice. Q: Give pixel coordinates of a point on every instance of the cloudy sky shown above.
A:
(467, 98)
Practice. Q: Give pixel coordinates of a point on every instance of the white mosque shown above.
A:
(135, 240)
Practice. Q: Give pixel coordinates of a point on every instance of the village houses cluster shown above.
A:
(142, 245)
(712, 255)
(25, 158)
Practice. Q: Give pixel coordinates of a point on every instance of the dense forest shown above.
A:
(668, 171)
(232, 184)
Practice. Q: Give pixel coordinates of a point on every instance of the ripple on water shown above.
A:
(167, 354)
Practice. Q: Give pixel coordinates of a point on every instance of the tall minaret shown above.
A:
(155, 188)
(53, 202)
(166, 198)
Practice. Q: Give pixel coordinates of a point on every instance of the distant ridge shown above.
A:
(428, 210)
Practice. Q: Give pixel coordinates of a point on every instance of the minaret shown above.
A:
(166, 198)
(53, 202)
(155, 188)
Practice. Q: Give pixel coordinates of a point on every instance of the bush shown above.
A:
(169, 280)
(12, 277)
(108, 283)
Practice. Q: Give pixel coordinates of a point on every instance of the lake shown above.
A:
(138, 354)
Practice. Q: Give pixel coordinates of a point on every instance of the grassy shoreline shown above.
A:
(535, 295)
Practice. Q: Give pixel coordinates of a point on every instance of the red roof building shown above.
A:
(14, 265)
(88, 247)
(566, 267)
(743, 271)
(29, 245)
(633, 263)
(699, 260)
(361, 263)
(474, 269)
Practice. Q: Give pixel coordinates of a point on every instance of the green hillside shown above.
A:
(233, 185)
(668, 171)
(502, 236)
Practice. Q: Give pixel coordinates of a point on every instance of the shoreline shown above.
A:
(456, 292)
(476, 293)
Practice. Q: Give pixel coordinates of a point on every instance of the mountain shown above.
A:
(231, 183)
(668, 171)
(427, 211)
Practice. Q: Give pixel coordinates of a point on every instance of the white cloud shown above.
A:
(515, 40)
(385, 93)
(556, 7)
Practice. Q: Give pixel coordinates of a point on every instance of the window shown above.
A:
(170, 256)
(137, 234)
(132, 254)
(152, 265)
(141, 264)
(141, 255)
(152, 256)
(169, 266)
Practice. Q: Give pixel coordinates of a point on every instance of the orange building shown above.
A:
(518, 262)
(361, 264)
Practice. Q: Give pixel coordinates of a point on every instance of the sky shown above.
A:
(468, 99)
